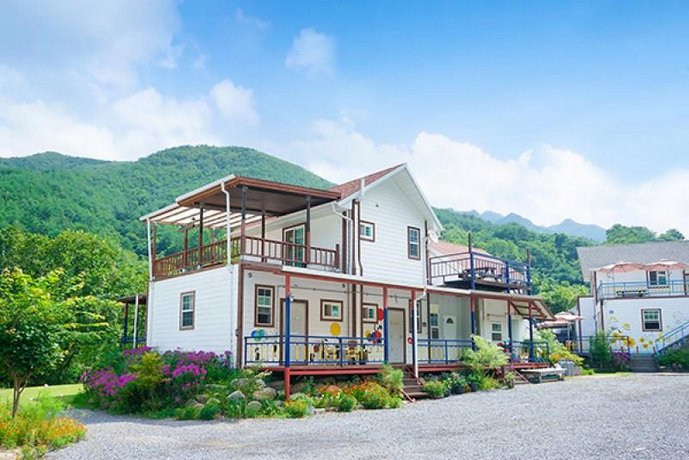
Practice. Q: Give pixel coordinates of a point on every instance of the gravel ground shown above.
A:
(636, 416)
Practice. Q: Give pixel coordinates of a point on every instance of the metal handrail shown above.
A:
(439, 350)
(681, 331)
(622, 289)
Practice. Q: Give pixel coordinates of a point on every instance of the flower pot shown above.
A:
(474, 386)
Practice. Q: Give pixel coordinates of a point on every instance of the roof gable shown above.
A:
(593, 257)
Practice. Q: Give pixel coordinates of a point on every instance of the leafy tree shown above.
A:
(560, 296)
(620, 234)
(671, 235)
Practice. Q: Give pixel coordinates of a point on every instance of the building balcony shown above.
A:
(247, 249)
(637, 289)
(477, 270)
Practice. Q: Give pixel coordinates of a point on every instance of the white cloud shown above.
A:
(312, 52)
(245, 19)
(235, 103)
(545, 184)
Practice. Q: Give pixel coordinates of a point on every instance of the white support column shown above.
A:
(150, 253)
(136, 320)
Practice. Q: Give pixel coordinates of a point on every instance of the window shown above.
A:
(367, 231)
(413, 243)
(435, 328)
(496, 332)
(187, 301)
(657, 278)
(369, 313)
(265, 301)
(419, 324)
(294, 252)
(331, 310)
(652, 320)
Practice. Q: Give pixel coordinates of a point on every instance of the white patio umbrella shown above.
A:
(622, 267)
(567, 316)
(666, 265)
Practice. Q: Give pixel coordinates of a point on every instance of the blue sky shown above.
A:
(548, 109)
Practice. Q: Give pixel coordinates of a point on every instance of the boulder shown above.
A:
(239, 383)
(213, 401)
(260, 383)
(279, 385)
(236, 396)
(253, 408)
(265, 394)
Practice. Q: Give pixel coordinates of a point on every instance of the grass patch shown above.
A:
(66, 393)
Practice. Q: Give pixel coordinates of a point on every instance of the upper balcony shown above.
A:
(636, 289)
(225, 221)
(477, 270)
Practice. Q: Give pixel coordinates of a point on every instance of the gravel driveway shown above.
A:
(636, 416)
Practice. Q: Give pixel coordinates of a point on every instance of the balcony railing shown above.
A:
(253, 249)
(673, 288)
(442, 351)
(313, 350)
(478, 267)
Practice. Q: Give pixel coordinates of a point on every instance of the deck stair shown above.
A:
(413, 387)
(676, 338)
(643, 363)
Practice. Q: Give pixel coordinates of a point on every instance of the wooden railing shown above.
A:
(479, 267)
(255, 249)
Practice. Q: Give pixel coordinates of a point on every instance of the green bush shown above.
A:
(344, 402)
(558, 351)
(436, 389)
(675, 358)
(600, 351)
(187, 413)
(486, 356)
(456, 383)
(296, 408)
(209, 411)
(391, 379)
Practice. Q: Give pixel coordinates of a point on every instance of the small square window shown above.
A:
(369, 313)
(367, 231)
(657, 278)
(187, 301)
(331, 310)
(652, 320)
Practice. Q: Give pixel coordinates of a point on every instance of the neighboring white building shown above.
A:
(638, 291)
(328, 279)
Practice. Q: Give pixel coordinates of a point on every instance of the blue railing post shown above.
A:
(288, 326)
(342, 351)
(447, 353)
(386, 345)
(246, 345)
(471, 270)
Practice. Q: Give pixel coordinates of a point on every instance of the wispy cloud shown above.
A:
(312, 52)
(242, 18)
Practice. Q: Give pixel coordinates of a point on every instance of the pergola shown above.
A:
(231, 202)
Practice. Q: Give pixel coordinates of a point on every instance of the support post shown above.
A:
(507, 276)
(528, 271)
(509, 327)
(153, 241)
(472, 273)
(150, 251)
(242, 234)
(136, 321)
(386, 323)
(473, 300)
(531, 348)
(263, 236)
(415, 325)
(200, 249)
(288, 325)
(185, 254)
(307, 231)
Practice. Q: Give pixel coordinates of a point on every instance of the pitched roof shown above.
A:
(593, 257)
(438, 248)
(354, 185)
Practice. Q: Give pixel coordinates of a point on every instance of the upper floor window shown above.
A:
(414, 243)
(651, 320)
(496, 332)
(657, 278)
(369, 313)
(187, 305)
(367, 231)
(265, 301)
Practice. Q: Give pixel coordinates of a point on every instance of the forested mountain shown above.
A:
(49, 192)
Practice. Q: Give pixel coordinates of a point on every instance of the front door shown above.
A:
(294, 251)
(299, 329)
(397, 335)
(450, 328)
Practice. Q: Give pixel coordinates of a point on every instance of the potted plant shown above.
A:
(509, 379)
(457, 383)
(474, 381)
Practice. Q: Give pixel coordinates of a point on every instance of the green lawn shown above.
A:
(64, 392)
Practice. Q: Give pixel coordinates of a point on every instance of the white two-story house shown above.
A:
(339, 280)
(639, 294)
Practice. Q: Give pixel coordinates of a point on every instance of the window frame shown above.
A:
(182, 296)
(493, 332)
(272, 305)
(657, 282)
(372, 225)
(365, 306)
(332, 302)
(417, 243)
(643, 319)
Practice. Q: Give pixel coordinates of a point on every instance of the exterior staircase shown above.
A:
(413, 387)
(643, 363)
(676, 338)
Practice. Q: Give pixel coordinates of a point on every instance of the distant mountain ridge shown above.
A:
(567, 226)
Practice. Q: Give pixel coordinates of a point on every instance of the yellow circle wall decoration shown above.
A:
(335, 329)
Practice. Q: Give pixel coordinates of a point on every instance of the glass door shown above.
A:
(294, 250)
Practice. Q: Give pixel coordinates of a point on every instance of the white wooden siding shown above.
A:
(214, 312)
